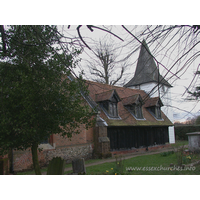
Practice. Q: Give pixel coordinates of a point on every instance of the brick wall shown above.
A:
(105, 147)
(80, 138)
(78, 146)
(90, 135)
(101, 141)
(23, 159)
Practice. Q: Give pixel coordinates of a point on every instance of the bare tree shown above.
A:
(179, 40)
(106, 66)
(175, 49)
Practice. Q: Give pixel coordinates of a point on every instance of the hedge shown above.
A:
(180, 131)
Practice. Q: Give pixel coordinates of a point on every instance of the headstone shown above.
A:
(194, 141)
(78, 166)
(56, 166)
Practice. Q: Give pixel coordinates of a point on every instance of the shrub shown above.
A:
(167, 153)
(180, 131)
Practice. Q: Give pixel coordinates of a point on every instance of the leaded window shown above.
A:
(156, 111)
(113, 109)
(110, 108)
(108, 101)
(136, 110)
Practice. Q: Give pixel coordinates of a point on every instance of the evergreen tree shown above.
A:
(37, 97)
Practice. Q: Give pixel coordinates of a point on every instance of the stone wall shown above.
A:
(23, 159)
(70, 153)
(101, 142)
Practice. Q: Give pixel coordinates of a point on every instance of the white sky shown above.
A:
(109, 12)
(179, 86)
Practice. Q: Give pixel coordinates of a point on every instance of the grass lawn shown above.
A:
(180, 143)
(31, 172)
(148, 165)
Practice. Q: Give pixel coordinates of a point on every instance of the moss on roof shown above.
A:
(121, 122)
(126, 118)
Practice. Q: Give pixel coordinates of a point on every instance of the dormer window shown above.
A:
(136, 110)
(154, 105)
(156, 111)
(108, 102)
(110, 108)
(134, 105)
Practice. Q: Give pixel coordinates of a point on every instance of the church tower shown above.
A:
(148, 78)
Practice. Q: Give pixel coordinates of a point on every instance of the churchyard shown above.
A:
(170, 162)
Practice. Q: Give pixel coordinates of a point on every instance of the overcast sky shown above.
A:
(84, 12)
(179, 85)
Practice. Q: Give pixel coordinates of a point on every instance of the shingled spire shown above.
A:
(146, 70)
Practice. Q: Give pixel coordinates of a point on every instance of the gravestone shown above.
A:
(194, 141)
(56, 166)
(78, 166)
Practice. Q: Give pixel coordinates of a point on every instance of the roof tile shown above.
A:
(99, 91)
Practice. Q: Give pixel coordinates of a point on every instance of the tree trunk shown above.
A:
(35, 159)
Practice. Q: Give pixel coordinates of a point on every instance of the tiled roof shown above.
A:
(131, 99)
(153, 102)
(107, 95)
(98, 92)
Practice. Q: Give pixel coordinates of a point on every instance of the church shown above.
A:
(148, 79)
(132, 118)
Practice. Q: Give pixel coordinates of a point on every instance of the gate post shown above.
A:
(101, 140)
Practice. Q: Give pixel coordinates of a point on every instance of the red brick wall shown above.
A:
(23, 160)
(85, 136)
(75, 139)
(90, 135)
